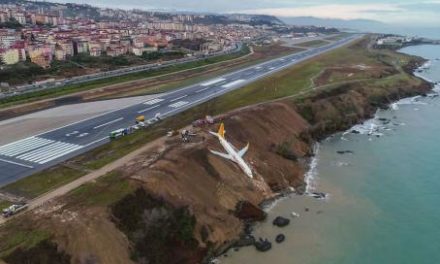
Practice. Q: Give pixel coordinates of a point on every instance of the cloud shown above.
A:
(335, 11)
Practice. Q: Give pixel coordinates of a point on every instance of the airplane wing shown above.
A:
(243, 150)
(223, 155)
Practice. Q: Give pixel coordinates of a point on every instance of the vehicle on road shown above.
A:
(14, 209)
(139, 119)
(118, 133)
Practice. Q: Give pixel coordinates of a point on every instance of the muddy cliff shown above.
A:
(220, 197)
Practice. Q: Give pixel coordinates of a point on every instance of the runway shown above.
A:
(24, 157)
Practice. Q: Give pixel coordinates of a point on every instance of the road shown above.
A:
(24, 157)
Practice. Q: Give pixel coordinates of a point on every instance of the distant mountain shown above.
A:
(354, 24)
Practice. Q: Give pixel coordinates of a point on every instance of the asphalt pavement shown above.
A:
(24, 157)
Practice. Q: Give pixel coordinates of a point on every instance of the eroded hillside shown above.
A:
(178, 203)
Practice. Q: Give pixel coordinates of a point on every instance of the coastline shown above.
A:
(218, 210)
(310, 177)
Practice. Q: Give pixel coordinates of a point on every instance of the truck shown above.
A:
(118, 133)
(140, 119)
(14, 209)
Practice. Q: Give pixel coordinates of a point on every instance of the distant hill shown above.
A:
(354, 24)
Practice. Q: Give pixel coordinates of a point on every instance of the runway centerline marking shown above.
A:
(233, 83)
(178, 98)
(109, 123)
(208, 83)
(147, 109)
(201, 90)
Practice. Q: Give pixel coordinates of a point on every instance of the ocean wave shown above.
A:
(269, 206)
(310, 177)
(411, 101)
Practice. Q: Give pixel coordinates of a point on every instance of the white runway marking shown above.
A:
(228, 85)
(154, 101)
(178, 98)
(109, 123)
(96, 141)
(147, 109)
(208, 83)
(178, 104)
(201, 90)
(49, 152)
(22, 146)
(16, 163)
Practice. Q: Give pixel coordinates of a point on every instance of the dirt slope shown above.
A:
(189, 175)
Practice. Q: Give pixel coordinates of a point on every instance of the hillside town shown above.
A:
(46, 35)
(39, 38)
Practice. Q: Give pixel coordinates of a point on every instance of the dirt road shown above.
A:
(47, 197)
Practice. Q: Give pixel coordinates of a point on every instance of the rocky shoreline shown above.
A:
(319, 132)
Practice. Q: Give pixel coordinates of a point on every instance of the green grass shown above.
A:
(19, 235)
(103, 192)
(65, 90)
(192, 80)
(294, 81)
(288, 82)
(42, 182)
(4, 204)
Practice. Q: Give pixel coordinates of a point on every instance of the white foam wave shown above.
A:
(310, 177)
(268, 207)
(411, 101)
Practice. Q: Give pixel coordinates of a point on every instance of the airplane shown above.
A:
(232, 154)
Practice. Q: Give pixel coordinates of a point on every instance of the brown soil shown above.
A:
(87, 234)
(188, 175)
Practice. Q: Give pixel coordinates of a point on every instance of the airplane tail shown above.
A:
(221, 131)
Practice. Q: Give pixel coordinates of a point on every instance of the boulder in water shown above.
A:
(342, 152)
(280, 221)
(263, 245)
(280, 238)
(319, 195)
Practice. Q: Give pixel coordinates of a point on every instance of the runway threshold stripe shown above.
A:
(66, 151)
(25, 146)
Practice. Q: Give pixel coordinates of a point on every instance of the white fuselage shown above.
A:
(235, 156)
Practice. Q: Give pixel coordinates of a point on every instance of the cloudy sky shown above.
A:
(407, 12)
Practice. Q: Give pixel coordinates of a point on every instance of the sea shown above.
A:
(383, 203)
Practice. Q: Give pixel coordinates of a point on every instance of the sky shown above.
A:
(405, 12)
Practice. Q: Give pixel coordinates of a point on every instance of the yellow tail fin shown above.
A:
(221, 131)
